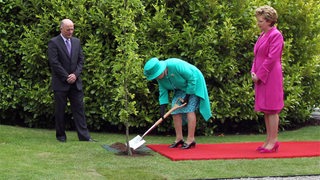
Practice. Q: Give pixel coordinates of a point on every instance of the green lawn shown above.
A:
(35, 154)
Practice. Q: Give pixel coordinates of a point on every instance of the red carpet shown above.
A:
(244, 150)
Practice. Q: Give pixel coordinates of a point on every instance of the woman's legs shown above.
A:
(185, 113)
(192, 122)
(177, 121)
(266, 121)
(272, 135)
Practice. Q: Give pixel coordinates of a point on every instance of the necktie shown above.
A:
(68, 46)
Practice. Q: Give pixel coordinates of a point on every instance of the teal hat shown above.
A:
(153, 68)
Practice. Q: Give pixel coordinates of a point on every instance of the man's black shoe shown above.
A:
(62, 139)
(92, 140)
(89, 140)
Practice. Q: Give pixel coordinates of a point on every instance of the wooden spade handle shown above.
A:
(176, 106)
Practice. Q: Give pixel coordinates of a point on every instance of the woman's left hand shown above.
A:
(186, 98)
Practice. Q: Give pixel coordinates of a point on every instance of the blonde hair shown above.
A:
(268, 13)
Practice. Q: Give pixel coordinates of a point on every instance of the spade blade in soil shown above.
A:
(136, 142)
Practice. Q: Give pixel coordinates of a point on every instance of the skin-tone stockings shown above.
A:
(271, 121)
(272, 124)
(192, 121)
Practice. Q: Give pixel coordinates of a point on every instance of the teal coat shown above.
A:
(188, 78)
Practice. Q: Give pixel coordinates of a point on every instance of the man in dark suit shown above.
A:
(66, 60)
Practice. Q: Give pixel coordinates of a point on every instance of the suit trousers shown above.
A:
(75, 97)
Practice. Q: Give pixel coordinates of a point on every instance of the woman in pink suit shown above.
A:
(267, 75)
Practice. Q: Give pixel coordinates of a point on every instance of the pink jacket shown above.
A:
(267, 66)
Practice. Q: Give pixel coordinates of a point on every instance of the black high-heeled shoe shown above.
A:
(188, 146)
(176, 144)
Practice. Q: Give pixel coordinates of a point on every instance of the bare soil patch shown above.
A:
(123, 150)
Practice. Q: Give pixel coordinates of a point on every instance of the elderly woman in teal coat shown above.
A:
(187, 83)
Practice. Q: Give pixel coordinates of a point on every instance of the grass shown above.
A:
(35, 154)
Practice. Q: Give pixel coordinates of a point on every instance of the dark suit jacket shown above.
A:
(62, 64)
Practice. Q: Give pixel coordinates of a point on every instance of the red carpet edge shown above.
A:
(238, 150)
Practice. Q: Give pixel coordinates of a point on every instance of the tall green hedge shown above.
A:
(215, 35)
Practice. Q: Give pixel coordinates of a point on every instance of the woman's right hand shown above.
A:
(254, 77)
(162, 110)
